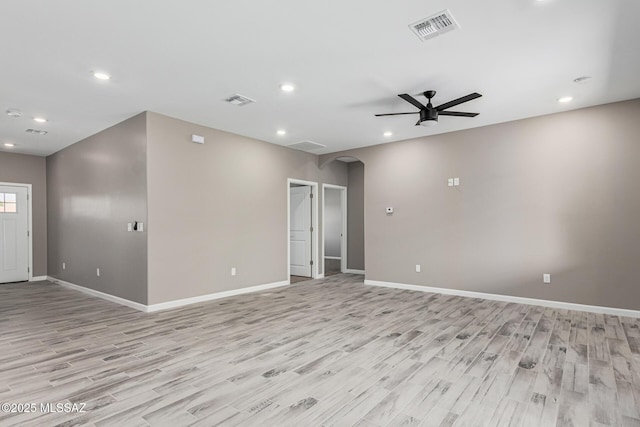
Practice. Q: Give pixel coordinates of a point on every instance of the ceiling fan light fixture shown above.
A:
(429, 123)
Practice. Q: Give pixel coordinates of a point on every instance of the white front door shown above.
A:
(14, 237)
(300, 230)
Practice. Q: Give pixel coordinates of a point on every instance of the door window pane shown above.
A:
(8, 203)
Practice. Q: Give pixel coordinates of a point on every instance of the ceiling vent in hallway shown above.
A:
(239, 100)
(307, 146)
(434, 25)
(36, 131)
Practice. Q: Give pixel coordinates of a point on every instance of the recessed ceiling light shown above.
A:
(388, 134)
(9, 145)
(281, 132)
(39, 120)
(565, 99)
(101, 75)
(287, 87)
(13, 113)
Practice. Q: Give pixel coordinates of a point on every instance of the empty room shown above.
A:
(296, 213)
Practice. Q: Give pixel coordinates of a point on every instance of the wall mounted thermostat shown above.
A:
(197, 139)
(389, 211)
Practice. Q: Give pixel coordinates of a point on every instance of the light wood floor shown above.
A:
(325, 352)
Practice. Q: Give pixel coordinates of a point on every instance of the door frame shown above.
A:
(343, 241)
(29, 222)
(314, 224)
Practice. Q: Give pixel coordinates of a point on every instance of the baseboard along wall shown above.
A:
(169, 304)
(506, 298)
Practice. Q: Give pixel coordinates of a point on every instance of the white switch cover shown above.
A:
(129, 226)
(450, 182)
(140, 226)
(233, 271)
(389, 210)
(98, 272)
(417, 268)
(64, 265)
(456, 182)
(546, 278)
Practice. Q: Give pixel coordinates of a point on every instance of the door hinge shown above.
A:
(311, 195)
(28, 233)
(311, 229)
(311, 262)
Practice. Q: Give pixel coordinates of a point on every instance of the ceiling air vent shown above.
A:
(306, 146)
(239, 100)
(36, 131)
(434, 25)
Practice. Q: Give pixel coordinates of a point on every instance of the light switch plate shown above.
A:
(129, 226)
(233, 271)
(546, 278)
(140, 226)
(456, 182)
(450, 182)
(418, 268)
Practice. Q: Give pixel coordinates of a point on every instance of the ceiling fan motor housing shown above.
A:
(430, 114)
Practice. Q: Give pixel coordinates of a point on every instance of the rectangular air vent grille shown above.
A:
(435, 25)
(37, 132)
(307, 146)
(239, 100)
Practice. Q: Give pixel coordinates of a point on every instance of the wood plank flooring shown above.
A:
(322, 353)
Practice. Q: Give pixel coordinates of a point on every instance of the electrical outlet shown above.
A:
(98, 272)
(418, 268)
(546, 278)
(64, 265)
(233, 271)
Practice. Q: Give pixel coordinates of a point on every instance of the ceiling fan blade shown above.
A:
(396, 114)
(458, 101)
(457, 113)
(411, 100)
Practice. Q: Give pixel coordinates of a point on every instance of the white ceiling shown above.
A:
(348, 59)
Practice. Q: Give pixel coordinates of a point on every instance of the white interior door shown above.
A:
(14, 237)
(300, 230)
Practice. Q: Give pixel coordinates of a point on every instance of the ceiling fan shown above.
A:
(429, 114)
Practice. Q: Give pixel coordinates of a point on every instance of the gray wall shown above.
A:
(217, 206)
(332, 222)
(355, 217)
(94, 188)
(556, 194)
(24, 169)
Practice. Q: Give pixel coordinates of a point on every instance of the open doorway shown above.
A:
(302, 230)
(334, 229)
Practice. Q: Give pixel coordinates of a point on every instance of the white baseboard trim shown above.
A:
(352, 271)
(169, 304)
(506, 298)
(38, 278)
(202, 298)
(93, 292)
(332, 257)
(320, 276)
